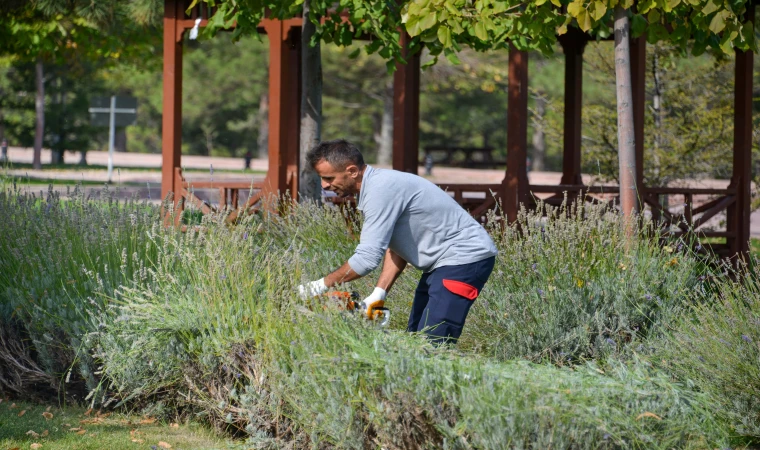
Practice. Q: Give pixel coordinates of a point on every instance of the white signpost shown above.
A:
(125, 107)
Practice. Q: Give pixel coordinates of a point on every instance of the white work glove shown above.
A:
(312, 289)
(375, 300)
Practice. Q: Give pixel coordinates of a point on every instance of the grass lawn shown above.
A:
(24, 424)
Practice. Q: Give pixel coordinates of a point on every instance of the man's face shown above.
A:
(342, 182)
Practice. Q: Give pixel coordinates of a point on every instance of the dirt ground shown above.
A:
(142, 170)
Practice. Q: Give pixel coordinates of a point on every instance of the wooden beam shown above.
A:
(738, 213)
(406, 110)
(515, 184)
(171, 125)
(573, 43)
(284, 106)
(638, 85)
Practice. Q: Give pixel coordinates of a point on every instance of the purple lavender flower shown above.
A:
(746, 338)
(238, 375)
(408, 379)
(533, 266)
(540, 292)
(723, 341)
(611, 342)
(606, 436)
(245, 235)
(648, 296)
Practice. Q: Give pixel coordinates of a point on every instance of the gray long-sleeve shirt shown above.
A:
(417, 220)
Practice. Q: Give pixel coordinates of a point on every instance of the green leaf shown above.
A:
(480, 31)
(428, 20)
(718, 23)
(451, 55)
(646, 5)
(710, 7)
(638, 25)
(653, 16)
(557, 3)
(584, 20)
(538, 2)
(413, 26)
(456, 26)
(575, 8)
(355, 54)
(598, 10)
(444, 35)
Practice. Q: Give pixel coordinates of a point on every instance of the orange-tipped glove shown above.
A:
(374, 301)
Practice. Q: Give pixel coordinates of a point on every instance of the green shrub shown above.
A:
(716, 348)
(54, 255)
(571, 286)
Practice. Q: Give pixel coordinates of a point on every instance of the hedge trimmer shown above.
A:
(349, 301)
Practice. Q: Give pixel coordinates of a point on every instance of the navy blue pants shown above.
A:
(444, 297)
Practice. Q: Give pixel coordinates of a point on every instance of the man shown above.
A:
(407, 219)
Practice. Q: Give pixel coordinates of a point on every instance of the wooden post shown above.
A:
(638, 85)
(515, 185)
(284, 107)
(573, 44)
(171, 139)
(406, 110)
(738, 213)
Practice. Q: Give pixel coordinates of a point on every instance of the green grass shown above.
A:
(74, 428)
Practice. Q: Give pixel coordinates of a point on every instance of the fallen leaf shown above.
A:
(103, 415)
(33, 434)
(138, 441)
(648, 414)
(163, 444)
(67, 424)
(35, 446)
(22, 413)
(74, 429)
(91, 421)
(47, 415)
(14, 448)
(13, 405)
(45, 433)
(81, 432)
(89, 411)
(173, 425)
(147, 420)
(48, 408)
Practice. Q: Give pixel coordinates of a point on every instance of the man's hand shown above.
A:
(312, 289)
(375, 300)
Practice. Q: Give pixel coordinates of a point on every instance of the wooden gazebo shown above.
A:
(284, 117)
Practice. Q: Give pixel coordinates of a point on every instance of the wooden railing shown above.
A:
(229, 196)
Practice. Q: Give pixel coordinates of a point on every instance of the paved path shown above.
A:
(98, 161)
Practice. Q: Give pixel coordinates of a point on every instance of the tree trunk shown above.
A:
(626, 137)
(57, 147)
(539, 137)
(39, 108)
(657, 112)
(83, 158)
(385, 138)
(309, 187)
(263, 140)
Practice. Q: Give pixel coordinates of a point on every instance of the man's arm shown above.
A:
(392, 268)
(342, 275)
